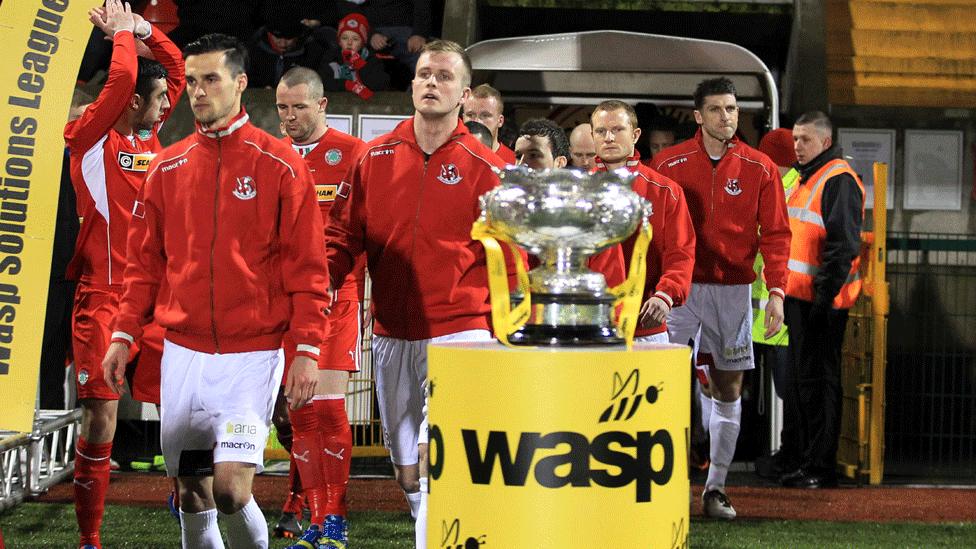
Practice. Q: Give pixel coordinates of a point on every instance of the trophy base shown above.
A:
(567, 336)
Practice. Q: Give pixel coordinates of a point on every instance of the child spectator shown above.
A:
(352, 66)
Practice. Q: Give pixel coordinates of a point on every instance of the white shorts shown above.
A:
(401, 386)
(723, 315)
(653, 338)
(216, 407)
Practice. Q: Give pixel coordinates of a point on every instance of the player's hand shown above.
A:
(379, 41)
(118, 16)
(774, 315)
(415, 42)
(113, 366)
(303, 376)
(653, 312)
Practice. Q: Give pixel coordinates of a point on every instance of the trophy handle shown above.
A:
(504, 319)
(628, 295)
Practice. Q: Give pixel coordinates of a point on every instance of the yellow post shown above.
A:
(879, 321)
(529, 444)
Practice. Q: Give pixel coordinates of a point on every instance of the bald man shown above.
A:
(582, 150)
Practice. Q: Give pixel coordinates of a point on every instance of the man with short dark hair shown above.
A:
(485, 105)
(737, 205)
(542, 145)
(429, 278)
(111, 144)
(480, 131)
(826, 214)
(582, 150)
(658, 139)
(227, 222)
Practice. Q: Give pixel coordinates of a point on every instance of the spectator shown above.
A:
(282, 43)
(352, 66)
(400, 27)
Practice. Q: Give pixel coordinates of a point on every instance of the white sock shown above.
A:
(247, 528)
(200, 530)
(723, 428)
(420, 528)
(706, 410)
(413, 500)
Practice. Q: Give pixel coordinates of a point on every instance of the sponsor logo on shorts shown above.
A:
(326, 193)
(737, 354)
(333, 157)
(135, 162)
(83, 377)
(242, 429)
(247, 446)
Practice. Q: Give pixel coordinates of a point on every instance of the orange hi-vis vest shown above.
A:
(809, 233)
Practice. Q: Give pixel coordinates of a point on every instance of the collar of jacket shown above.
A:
(811, 167)
(632, 165)
(235, 124)
(405, 132)
(700, 139)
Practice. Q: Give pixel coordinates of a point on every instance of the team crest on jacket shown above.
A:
(449, 175)
(732, 187)
(245, 189)
(333, 157)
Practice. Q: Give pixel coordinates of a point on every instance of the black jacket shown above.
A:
(842, 214)
(391, 13)
(267, 65)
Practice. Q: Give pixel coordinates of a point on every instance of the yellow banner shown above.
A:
(43, 44)
(556, 448)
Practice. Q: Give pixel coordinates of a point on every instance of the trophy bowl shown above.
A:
(564, 217)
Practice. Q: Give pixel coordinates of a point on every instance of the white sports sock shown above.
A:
(247, 528)
(413, 500)
(706, 410)
(200, 530)
(723, 428)
(420, 528)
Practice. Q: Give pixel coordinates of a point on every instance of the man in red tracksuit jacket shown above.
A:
(737, 205)
(228, 220)
(321, 446)
(111, 145)
(413, 201)
(671, 255)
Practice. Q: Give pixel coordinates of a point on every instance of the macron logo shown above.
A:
(174, 165)
(381, 152)
(674, 163)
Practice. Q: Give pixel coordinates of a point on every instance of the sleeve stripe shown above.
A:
(311, 349)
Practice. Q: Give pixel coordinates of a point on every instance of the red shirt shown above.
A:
(671, 255)
(108, 168)
(330, 159)
(507, 155)
(228, 219)
(412, 215)
(737, 206)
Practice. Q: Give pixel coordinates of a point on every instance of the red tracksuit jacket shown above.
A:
(737, 207)
(671, 255)
(229, 218)
(412, 215)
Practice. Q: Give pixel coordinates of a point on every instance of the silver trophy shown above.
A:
(563, 217)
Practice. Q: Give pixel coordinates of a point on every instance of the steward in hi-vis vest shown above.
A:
(760, 293)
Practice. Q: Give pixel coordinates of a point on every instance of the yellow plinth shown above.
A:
(557, 448)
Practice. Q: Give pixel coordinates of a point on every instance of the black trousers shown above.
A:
(776, 359)
(815, 359)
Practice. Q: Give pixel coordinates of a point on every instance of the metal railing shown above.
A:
(32, 463)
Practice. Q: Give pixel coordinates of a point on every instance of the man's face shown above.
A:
(438, 86)
(581, 147)
(535, 151)
(809, 142)
(485, 110)
(350, 40)
(718, 116)
(300, 114)
(214, 92)
(660, 140)
(283, 44)
(153, 107)
(614, 135)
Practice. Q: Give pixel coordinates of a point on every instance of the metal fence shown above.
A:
(931, 378)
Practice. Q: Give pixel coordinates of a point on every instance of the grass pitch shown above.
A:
(53, 525)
